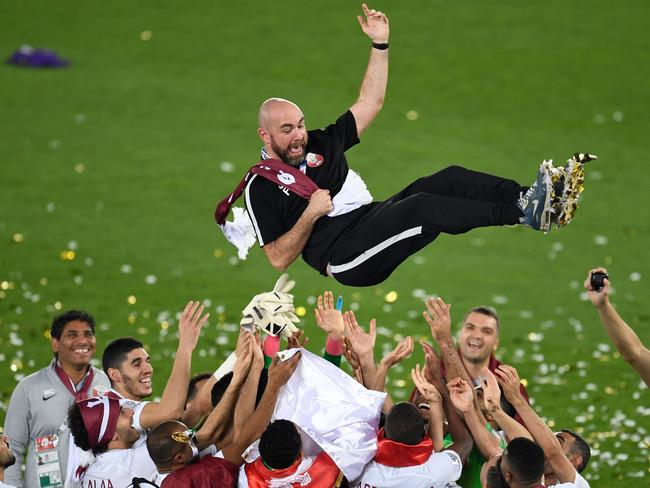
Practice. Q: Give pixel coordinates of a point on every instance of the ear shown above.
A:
(54, 342)
(496, 345)
(576, 460)
(114, 375)
(263, 135)
(179, 459)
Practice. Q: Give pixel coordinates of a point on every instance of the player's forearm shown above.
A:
(486, 442)
(510, 426)
(285, 249)
(373, 86)
(454, 367)
(220, 419)
(435, 425)
(172, 401)
(622, 336)
(463, 442)
(246, 403)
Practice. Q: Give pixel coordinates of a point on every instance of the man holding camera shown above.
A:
(624, 338)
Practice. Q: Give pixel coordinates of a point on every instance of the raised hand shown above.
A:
(245, 358)
(438, 318)
(508, 378)
(461, 395)
(598, 298)
(363, 344)
(403, 350)
(374, 24)
(297, 340)
(426, 389)
(280, 371)
(491, 391)
(431, 362)
(190, 325)
(328, 318)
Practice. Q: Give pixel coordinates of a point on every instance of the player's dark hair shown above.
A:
(60, 321)
(160, 444)
(581, 448)
(404, 424)
(79, 432)
(115, 353)
(484, 310)
(525, 460)
(192, 388)
(494, 478)
(221, 386)
(280, 444)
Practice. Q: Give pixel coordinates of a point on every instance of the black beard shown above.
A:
(284, 156)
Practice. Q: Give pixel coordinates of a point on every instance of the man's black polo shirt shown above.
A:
(274, 210)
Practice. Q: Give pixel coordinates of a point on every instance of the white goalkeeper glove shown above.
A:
(272, 311)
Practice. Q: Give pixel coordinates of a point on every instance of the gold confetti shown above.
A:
(551, 423)
(132, 318)
(142, 330)
(609, 390)
(47, 334)
(4, 285)
(68, 255)
(164, 325)
(43, 281)
(391, 296)
(80, 168)
(131, 300)
(301, 311)
(218, 253)
(18, 237)
(412, 115)
(3, 295)
(58, 305)
(524, 382)
(145, 35)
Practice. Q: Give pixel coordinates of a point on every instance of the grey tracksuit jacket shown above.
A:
(38, 407)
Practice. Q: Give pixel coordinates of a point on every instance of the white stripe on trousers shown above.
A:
(363, 257)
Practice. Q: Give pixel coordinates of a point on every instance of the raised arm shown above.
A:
(172, 402)
(492, 399)
(403, 350)
(362, 345)
(285, 249)
(439, 319)
(434, 399)
(463, 399)
(279, 374)
(219, 421)
(373, 88)
(622, 336)
(509, 379)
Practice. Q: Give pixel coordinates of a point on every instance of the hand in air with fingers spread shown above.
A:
(190, 325)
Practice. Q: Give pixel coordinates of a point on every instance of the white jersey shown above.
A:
(2, 485)
(117, 468)
(137, 407)
(437, 472)
(579, 482)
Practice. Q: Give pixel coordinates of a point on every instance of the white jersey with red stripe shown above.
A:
(117, 468)
(439, 471)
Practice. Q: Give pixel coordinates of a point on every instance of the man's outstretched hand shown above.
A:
(374, 24)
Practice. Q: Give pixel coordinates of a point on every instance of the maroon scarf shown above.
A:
(273, 170)
(86, 382)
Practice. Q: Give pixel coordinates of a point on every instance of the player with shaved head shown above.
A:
(303, 199)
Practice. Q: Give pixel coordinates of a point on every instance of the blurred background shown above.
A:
(110, 170)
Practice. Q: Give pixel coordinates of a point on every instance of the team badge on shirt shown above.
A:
(99, 390)
(286, 178)
(314, 160)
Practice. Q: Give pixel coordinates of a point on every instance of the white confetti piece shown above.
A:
(126, 268)
(600, 240)
(150, 279)
(636, 276)
(227, 167)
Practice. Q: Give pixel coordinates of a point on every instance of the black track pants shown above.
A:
(454, 200)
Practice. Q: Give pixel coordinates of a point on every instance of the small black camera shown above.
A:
(598, 280)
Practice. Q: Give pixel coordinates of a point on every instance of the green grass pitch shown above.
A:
(120, 159)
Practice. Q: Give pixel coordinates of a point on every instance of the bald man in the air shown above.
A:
(338, 228)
